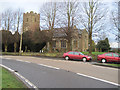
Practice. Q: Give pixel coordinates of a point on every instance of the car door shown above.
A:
(71, 55)
(116, 57)
(76, 55)
(109, 57)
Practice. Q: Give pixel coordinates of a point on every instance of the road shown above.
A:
(45, 73)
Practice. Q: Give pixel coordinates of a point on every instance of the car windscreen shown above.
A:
(115, 55)
(71, 53)
(108, 54)
(81, 53)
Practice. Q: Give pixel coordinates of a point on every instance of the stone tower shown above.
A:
(31, 21)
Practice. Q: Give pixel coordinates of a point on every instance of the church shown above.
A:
(79, 40)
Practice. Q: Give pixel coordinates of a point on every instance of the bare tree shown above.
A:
(19, 18)
(11, 19)
(115, 15)
(68, 13)
(14, 20)
(7, 18)
(48, 17)
(4, 21)
(91, 17)
(0, 19)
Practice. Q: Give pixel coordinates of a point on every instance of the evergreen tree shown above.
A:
(103, 45)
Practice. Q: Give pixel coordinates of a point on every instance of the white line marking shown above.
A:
(49, 66)
(98, 79)
(106, 67)
(19, 60)
(27, 61)
(7, 68)
(22, 61)
(26, 80)
(23, 78)
(6, 58)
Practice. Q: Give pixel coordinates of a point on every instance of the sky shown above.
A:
(35, 5)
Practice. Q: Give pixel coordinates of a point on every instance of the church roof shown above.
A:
(62, 32)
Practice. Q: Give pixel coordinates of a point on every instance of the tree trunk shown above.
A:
(20, 44)
(25, 48)
(50, 46)
(69, 45)
(18, 23)
(5, 47)
(15, 47)
(90, 43)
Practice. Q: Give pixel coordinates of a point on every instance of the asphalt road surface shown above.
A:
(48, 77)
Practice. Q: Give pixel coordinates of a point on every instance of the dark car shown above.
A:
(109, 57)
(76, 55)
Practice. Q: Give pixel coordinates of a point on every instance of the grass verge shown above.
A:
(116, 65)
(54, 54)
(9, 80)
(108, 64)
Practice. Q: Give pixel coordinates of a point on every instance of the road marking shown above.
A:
(6, 58)
(49, 66)
(19, 60)
(19, 75)
(22, 61)
(7, 68)
(98, 79)
(27, 61)
(105, 67)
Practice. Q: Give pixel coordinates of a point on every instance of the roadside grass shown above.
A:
(9, 80)
(93, 53)
(0, 78)
(54, 54)
(46, 53)
(116, 65)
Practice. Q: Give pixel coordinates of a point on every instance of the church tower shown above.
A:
(31, 21)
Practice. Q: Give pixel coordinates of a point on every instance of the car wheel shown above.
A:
(103, 60)
(84, 59)
(67, 58)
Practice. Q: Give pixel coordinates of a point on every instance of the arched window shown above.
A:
(54, 44)
(75, 43)
(63, 44)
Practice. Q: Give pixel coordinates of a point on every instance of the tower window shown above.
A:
(27, 19)
(35, 19)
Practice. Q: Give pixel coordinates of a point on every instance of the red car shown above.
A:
(109, 57)
(76, 55)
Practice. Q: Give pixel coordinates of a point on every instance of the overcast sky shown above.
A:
(35, 5)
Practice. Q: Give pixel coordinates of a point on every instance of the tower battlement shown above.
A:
(31, 12)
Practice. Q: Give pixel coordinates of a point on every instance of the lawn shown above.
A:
(9, 80)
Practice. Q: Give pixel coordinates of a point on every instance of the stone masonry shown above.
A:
(31, 21)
